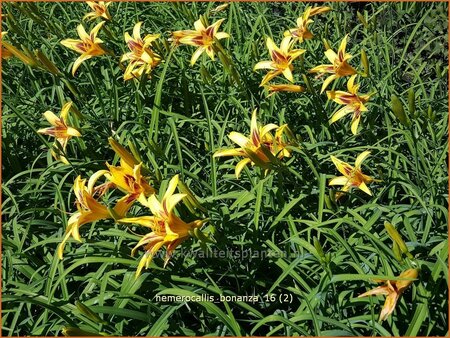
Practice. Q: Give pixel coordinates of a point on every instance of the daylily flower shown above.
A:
(89, 208)
(88, 45)
(167, 228)
(353, 176)
(393, 289)
(100, 10)
(301, 32)
(5, 53)
(353, 102)
(282, 59)
(260, 148)
(60, 130)
(142, 58)
(201, 37)
(127, 177)
(275, 88)
(129, 180)
(339, 64)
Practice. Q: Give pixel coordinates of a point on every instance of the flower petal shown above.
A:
(73, 132)
(79, 61)
(93, 179)
(65, 111)
(196, 55)
(149, 38)
(240, 166)
(361, 157)
(355, 123)
(352, 88)
(82, 32)
(342, 46)
(331, 55)
(123, 205)
(172, 201)
(171, 248)
(288, 74)
(343, 167)
(199, 26)
(210, 52)
(381, 290)
(284, 88)
(403, 284)
(155, 207)
(95, 30)
(296, 53)
(239, 139)
(72, 44)
(285, 44)
(341, 97)
(52, 118)
(322, 69)
(222, 35)
(264, 65)
(215, 26)
(327, 82)
(341, 113)
(271, 46)
(345, 69)
(254, 129)
(60, 249)
(146, 221)
(269, 76)
(142, 263)
(267, 128)
(341, 180)
(173, 183)
(229, 152)
(364, 188)
(137, 31)
(389, 305)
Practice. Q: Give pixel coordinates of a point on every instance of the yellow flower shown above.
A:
(392, 290)
(353, 176)
(167, 228)
(260, 148)
(282, 59)
(89, 209)
(129, 180)
(352, 101)
(88, 45)
(5, 53)
(201, 37)
(60, 130)
(99, 10)
(275, 88)
(142, 58)
(127, 177)
(339, 64)
(301, 32)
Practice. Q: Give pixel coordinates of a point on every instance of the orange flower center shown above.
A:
(282, 61)
(99, 9)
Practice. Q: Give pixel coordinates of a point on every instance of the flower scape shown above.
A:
(224, 169)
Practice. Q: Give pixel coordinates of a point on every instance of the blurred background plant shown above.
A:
(324, 252)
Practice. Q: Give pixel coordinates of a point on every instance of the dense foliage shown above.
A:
(282, 235)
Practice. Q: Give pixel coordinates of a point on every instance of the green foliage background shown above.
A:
(195, 108)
